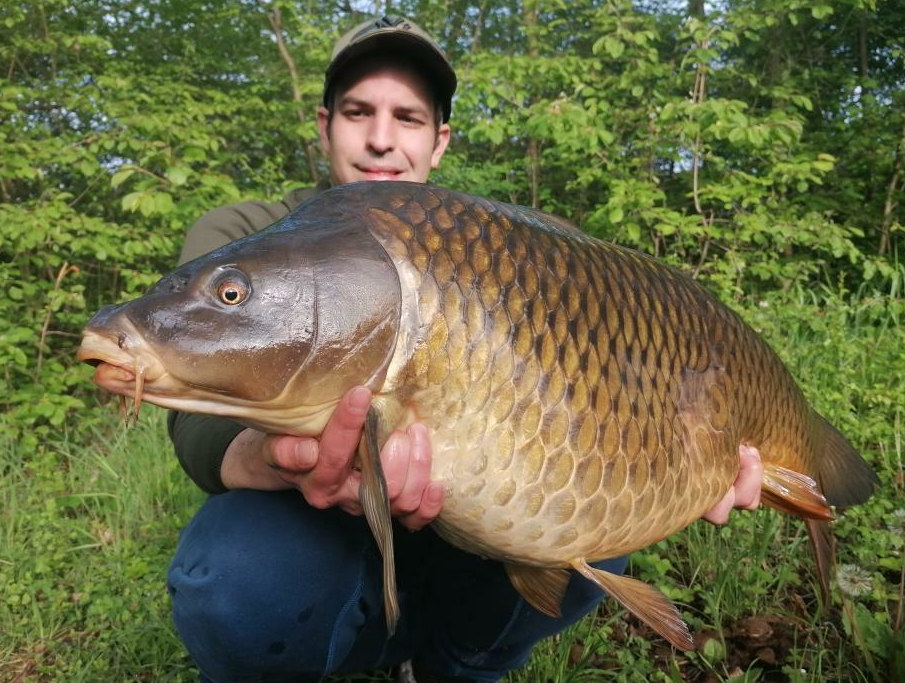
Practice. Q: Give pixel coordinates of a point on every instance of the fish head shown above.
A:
(270, 330)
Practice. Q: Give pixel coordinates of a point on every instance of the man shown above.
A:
(270, 585)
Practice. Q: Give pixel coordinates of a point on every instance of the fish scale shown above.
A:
(555, 436)
(583, 400)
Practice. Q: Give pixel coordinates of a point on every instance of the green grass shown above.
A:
(86, 534)
(89, 520)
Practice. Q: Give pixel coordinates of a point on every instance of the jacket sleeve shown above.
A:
(200, 441)
(227, 223)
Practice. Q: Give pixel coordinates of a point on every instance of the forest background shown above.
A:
(758, 144)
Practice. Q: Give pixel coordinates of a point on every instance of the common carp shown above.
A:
(583, 400)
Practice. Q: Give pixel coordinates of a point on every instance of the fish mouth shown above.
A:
(126, 365)
(123, 366)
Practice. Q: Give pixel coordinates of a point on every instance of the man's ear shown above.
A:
(323, 129)
(440, 144)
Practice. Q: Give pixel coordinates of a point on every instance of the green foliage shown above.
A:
(715, 180)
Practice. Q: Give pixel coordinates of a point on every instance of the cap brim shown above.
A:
(392, 41)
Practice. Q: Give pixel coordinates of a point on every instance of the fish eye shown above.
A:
(232, 290)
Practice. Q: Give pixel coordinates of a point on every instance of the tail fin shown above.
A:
(823, 543)
(842, 474)
(842, 479)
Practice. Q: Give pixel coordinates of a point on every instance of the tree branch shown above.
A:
(65, 270)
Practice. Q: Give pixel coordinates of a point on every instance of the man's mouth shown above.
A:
(379, 173)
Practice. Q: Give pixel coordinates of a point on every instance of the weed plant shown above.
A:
(90, 518)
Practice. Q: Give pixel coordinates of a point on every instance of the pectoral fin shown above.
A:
(376, 505)
(644, 601)
(794, 493)
(542, 588)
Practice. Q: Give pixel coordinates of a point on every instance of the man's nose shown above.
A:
(381, 138)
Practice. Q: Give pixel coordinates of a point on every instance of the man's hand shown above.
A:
(745, 492)
(323, 470)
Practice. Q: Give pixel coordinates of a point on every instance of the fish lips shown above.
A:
(119, 370)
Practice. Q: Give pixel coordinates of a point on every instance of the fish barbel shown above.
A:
(583, 400)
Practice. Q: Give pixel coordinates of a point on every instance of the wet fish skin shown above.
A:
(584, 400)
(574, 387)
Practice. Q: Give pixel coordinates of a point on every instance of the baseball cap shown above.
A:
(395, 35)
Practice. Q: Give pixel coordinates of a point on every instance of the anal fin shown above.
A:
(644, 601)
(542, 588)
(794, 493)
(375, 502)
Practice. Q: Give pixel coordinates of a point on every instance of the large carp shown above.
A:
(583, 400)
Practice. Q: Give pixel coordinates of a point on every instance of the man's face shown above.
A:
(382, 128)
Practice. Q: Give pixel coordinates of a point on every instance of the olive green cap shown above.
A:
(395, 35)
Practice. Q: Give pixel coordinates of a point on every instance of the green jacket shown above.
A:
(200, 441)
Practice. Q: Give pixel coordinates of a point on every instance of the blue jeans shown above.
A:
(266, 588)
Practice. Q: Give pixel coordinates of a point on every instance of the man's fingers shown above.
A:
(749, 480)
(421, 499)
(340, 440)
(431, 503)
(353, 507)
(719, 513)
(394, 458)
(745, 492)
(296, 454)
(322, 470)
(418, 471)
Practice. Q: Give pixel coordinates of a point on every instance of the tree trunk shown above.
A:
(276, 24)
(478, 27)
(863, 65)
(890, 205)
